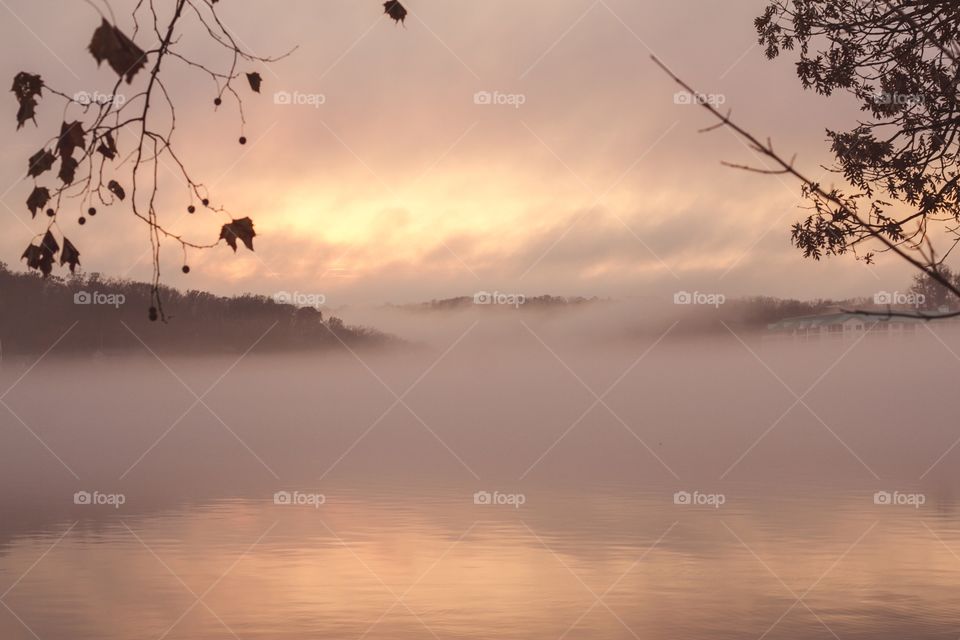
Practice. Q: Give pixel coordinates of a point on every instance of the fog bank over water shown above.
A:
(531, 400)
(589, 321)
(659, 462)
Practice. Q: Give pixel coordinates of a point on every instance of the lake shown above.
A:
(486, 484)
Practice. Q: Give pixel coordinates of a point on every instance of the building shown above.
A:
(841, 325)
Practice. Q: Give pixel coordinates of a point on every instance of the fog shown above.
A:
(595, 427)
(533, 400)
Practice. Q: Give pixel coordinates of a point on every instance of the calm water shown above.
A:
(790, 542)
(265, 571)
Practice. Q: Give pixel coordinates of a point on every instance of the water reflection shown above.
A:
(601, 565)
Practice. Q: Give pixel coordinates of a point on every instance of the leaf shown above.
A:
(38, 199)
(32, 254)
(254, 79)
(120, 52)
(68, 169)
(49, 244)
(71, 137)
(39, 162)
(242, 229)
(69, 255)
(27, 87)
(395, 10)
(41, 256)
(108, 147)
(116, 189)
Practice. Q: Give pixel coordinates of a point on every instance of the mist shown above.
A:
(598, 432)
(404, 320)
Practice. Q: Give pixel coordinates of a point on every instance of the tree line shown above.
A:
(106, 315)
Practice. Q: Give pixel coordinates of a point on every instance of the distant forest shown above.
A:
(36, 311)
(754, 312)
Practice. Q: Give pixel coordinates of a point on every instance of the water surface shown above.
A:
(599, 548)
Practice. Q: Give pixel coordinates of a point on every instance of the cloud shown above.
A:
(401, 184)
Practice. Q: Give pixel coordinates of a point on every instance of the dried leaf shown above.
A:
(27, 88)
(108, 147)
(69, 255)
(71, 137)
(116, 189)
(242, 229)
(39, 162)
(254, 79)
(395, 10)
(68, 169)
(32, 255)
(49, 244)
(38, 199)
(41, 256)
(120, 52)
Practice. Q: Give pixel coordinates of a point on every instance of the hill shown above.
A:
(109, 315)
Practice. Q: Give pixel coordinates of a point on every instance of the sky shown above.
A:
(526, 147)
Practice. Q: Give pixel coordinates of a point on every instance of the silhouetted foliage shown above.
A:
(899, 60)
(94, 167)
(241, 229)
(395, 10)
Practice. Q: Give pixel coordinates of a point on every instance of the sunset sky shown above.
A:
(400, 187)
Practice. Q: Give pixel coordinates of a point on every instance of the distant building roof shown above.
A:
(831, 319)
